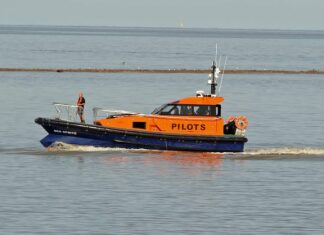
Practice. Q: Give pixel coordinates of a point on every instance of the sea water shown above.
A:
(275, 187)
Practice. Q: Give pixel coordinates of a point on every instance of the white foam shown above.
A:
(64, 147)
(285, 151)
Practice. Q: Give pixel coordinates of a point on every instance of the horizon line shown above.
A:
(157, 27)
(168, 71)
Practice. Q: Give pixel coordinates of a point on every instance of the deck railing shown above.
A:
(67, 112)
(104, 113)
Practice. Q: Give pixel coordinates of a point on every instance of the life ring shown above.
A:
(230, 119)
(241, 122)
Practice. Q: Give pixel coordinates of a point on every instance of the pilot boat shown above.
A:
(189, 124)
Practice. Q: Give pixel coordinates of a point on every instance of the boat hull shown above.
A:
(99, 136)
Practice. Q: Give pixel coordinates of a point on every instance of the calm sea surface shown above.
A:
(276, 187)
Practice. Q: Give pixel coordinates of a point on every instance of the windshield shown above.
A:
(157, 110)
(188, 110)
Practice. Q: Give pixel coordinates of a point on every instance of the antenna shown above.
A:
(215, 73)
(221, 80)
(216, 54)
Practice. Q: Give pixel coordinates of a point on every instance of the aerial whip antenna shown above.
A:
(221, 80)
(216, 54)
(215, 77)
(219, 61)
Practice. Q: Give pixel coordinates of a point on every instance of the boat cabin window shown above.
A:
(189, 110)
(139, 125)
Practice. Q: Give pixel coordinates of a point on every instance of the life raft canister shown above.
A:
(241, 122)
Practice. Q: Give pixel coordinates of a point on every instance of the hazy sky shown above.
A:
(268, 14)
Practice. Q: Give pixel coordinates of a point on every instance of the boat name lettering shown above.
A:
(65, 132)
(188, 127)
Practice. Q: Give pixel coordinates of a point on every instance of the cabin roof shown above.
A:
(202, 100)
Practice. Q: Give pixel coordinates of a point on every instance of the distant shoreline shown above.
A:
(197, 71)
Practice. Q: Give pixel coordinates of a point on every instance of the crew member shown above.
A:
(80, 104)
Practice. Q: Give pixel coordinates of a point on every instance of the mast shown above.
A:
(213, 81)
(215, 75)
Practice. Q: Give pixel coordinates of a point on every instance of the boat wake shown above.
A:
(285, 151)
(262, 153)
(279, 153)
(63, 147)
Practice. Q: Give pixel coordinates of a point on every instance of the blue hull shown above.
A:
(98, 136)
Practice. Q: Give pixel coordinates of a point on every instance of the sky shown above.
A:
(242, 14)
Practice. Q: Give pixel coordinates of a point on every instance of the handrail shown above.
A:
(63, 105)
(109, 113)
(67, 112)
